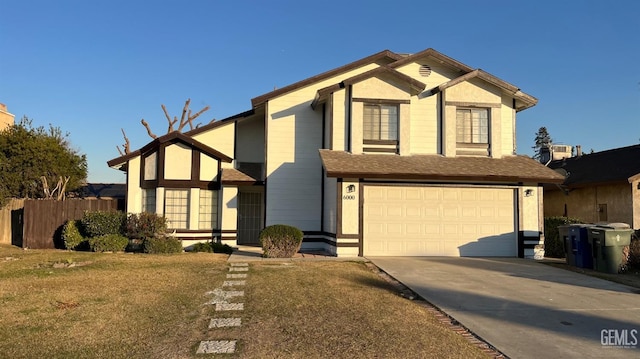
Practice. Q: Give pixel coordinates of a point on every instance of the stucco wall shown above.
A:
(222, 139)
(635, 190)
(582, 203)
(250, 146)
(177, 162)
(6, 119)
(134, 193)
(294, 135)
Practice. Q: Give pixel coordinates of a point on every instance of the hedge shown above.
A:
(553, 244)
(280, 241)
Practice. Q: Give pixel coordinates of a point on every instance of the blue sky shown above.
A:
(94, 67)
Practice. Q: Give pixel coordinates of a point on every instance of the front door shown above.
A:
(249, 217)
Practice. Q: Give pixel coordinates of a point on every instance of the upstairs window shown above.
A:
(380, 122)
(472, 126)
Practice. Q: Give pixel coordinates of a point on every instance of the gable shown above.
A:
(378, 88)
(475, 90)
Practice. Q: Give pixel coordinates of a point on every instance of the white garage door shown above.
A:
(439, 221)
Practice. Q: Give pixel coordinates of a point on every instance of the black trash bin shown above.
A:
(608, 242)
(569, 247)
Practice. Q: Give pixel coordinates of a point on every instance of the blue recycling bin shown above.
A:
(582, 248)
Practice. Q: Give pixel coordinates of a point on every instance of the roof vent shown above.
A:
(425, 70)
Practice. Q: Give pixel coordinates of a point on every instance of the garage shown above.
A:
(409, 220)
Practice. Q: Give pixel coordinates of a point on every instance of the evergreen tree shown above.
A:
(543, 139)
(28, 154)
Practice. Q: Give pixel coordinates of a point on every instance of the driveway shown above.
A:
(527, 309)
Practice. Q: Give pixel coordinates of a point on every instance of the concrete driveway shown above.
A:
(527, 309)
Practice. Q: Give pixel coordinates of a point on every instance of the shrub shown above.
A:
(71, 235)
(280, 241)
(634, 251)
(100, 223)
(108, 243)
(553, 244)
(214, 247)
(221, 248)
(165, 244)
(145, 225)
(202, 247)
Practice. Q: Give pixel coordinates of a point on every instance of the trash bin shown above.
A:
(579, 237)
(569, 248)
(608, 242)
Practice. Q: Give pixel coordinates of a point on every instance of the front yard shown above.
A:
(86, 305)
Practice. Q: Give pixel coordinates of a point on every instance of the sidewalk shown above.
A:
(254, 254)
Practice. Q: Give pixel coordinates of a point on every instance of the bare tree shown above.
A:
(185, 118)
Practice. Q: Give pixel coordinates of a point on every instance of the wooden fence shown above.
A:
(39, 223)
(8, 214)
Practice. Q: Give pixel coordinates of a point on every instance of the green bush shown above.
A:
(100, 223)
(221, 248)
(202, 247)
(214, 247)
(145, 225)
(280, 241)
(108, 243)
(71, 235)
(166, 244)
(553, 244)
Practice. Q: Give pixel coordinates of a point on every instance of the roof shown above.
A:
(435, 167)
(525, 99)
(234, 176)
(438, 56)
(391, 61)
(415, 86)
(384, 56)
(171, 137)
(103, 190)
(615, 165)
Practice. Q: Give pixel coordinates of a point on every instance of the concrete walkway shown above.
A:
(527, 309)
(254, 254)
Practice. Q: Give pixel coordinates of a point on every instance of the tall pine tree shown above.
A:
(543, 139)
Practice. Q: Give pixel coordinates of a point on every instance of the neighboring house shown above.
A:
(114, 191)
(598, 187)
(6, 119)
(393, 154)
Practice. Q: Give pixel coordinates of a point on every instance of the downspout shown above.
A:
(349, 112)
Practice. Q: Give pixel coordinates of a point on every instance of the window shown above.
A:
(380, 122)
(472, 126)
(149, 200)
(176, 208)
(208, 217)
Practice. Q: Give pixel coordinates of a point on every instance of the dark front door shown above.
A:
(249, 217)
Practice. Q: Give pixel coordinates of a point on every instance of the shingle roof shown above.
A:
(171, 137)
(104, 190)
(436, 167)
(232, 175)
(616, 165)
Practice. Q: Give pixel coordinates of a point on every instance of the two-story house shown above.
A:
(393, 154)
